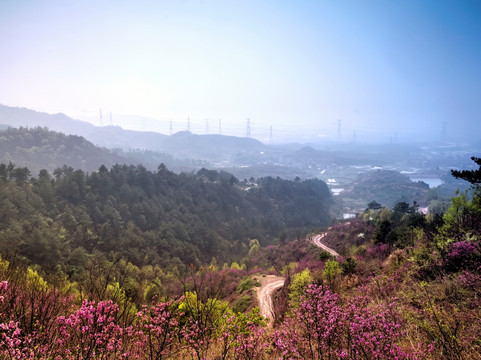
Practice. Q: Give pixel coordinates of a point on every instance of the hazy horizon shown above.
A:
(387, 70)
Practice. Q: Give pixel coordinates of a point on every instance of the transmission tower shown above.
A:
(270, 136)
(101, 120)
(188, 124)
(248, 128)
(111, 123)
(220, 127)
(339, 126)
(443, 134)
(170, 127)
(207, 126)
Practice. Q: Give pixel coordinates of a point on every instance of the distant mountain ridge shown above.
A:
(183, 145)
(38, 148)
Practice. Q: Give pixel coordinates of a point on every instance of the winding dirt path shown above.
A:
(269, 284)
(317, 240)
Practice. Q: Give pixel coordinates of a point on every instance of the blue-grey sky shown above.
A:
(386, 68)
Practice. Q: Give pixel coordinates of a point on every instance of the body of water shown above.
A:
(336, 192)
(432, 182)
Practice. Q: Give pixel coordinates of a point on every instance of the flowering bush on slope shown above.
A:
(324, 328)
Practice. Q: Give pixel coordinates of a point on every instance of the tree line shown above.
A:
(148, 217)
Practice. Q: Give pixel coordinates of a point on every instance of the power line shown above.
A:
(235, 127)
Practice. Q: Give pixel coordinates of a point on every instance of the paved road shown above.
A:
(317, 240)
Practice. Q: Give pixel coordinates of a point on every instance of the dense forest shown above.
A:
(148, 218)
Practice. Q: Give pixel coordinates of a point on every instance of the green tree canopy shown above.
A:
(472, 176)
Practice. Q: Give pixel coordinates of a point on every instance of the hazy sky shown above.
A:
(387, 68)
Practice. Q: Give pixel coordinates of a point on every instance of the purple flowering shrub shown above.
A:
(91, 331)
(157, 329)
(28, 318)
(242, 336)
(323, 327)
(462, 255)
(160, 331)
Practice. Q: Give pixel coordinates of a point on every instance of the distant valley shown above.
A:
(340, 165)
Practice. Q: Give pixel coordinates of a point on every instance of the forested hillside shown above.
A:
(124, 262)
(405, 286)
(148, 218)
(384, 186)
(39, 148)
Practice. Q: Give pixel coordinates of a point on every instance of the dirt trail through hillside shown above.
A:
(269, 284)
(317, 240)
